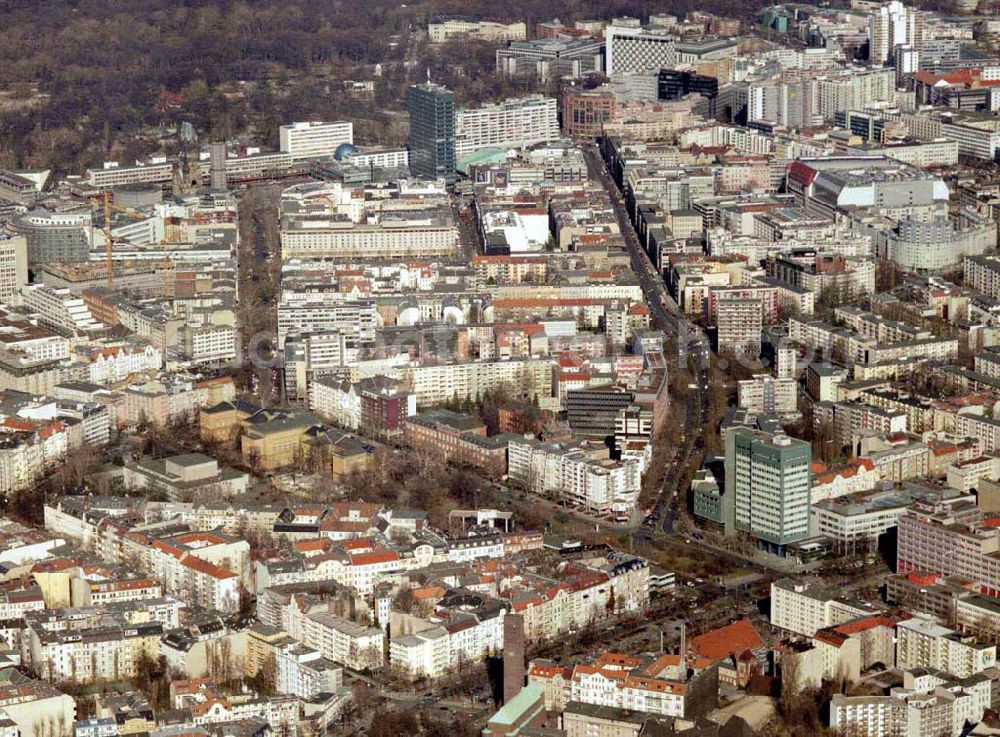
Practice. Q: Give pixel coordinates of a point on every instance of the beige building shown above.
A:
(590, 720)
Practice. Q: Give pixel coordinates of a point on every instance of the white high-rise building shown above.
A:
(314, 140)
(13, 267)
(514, 123)
(631, 48)
(890, 26)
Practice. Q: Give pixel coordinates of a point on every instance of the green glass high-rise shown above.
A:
(767, 486)
(432, 131)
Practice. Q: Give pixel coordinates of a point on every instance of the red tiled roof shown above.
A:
(368, 559)
(864, 624)
(210, 569)
(725, 641)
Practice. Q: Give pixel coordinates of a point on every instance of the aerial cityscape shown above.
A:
(601, 368)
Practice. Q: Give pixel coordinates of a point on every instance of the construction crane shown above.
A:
(108, 205)
(166, 270)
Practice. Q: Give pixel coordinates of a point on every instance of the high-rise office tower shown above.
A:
(767, 485)
(432, 131)
(217, 165)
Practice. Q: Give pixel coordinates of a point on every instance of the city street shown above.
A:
(678, 330)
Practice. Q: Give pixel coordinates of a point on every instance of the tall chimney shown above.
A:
(513, 656)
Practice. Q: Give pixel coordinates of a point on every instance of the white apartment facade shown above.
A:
(765, 393)
(923, 643)
(353, 645)
(514, 123)
(804, 609)
(208, 344)
(60, 309)
(111, 365)
(574, 476)
(434, 384)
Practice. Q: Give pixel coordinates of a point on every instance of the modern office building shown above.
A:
(674, 83)
(584, 112)
(551, 58)
(767, 480)
(54, 236)
(432, 131)
(111, 175)
(314, 140)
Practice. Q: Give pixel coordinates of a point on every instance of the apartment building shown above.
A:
(378, 405)
(61, 310)
(739, 324)
(767, 394)
(950, 541)
(579, 474)
(982, 273)
(646, 685)
(923, 643)
(325, 313)
(890, 26)
(430, 649)
(111, 364)
(820, 272)
(33, 705)
(435, 384)
(303, 672)
(805, 608)
(170, 397)
(983, 427)
(513, 123)
(87, 645)
(872, 716)
(205, 344)
(354, 646)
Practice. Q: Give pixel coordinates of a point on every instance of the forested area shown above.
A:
(86, 80)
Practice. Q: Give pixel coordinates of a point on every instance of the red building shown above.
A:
(458, 438)
(384, 405)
